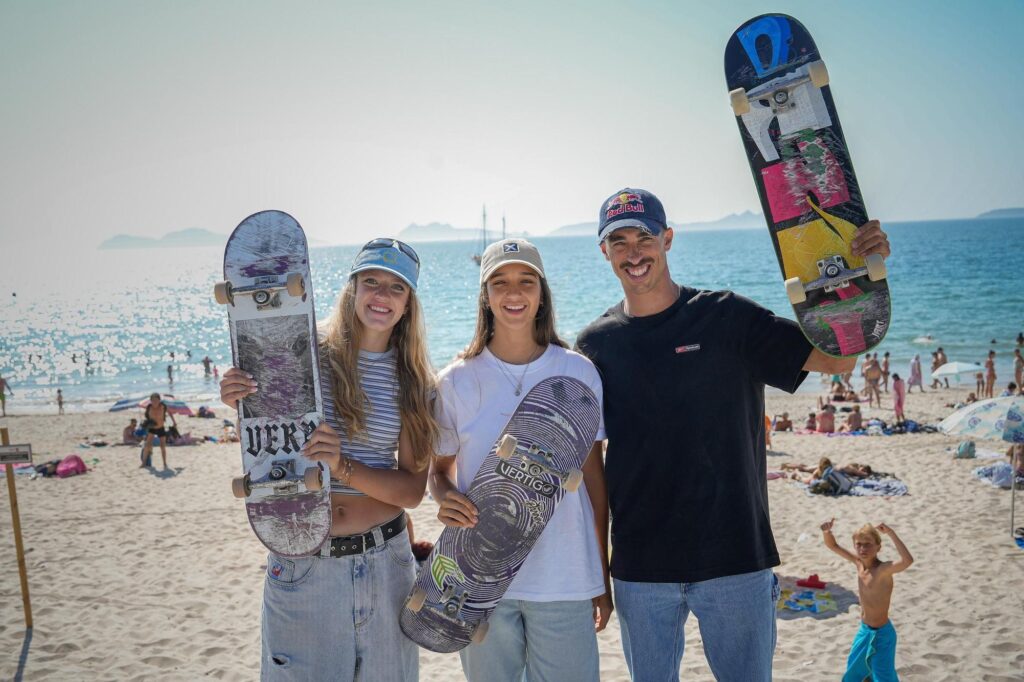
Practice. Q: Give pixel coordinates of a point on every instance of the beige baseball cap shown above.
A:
(509, 251)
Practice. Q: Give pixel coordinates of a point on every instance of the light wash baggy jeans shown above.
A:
(736, 615)
(536, 641)
(337, 619)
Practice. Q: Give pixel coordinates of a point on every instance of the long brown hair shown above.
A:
(415, 376)
(544, 332)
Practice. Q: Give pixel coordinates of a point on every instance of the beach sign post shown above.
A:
(9, 456)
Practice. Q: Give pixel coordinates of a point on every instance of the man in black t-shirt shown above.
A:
(684, 373)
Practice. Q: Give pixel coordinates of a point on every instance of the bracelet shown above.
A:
(345, 477)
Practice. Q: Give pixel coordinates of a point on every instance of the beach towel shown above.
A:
(72, 465)
(874, 486)
(997, 475)
(809, 600)
(879, 487)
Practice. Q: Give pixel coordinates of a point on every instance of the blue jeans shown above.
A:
(736, 615)
(337, 619)
(537, 641)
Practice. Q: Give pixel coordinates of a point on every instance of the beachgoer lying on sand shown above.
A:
(128, 436)
(873, 653)
(816, 474)
(853, 470)
(783, 423)
(853, 422)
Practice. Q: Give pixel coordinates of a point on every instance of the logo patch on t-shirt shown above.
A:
(688, 348)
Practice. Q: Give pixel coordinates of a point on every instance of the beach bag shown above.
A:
(72, 465)
(839, 482)
(965, 450)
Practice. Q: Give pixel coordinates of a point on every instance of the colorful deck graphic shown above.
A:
(469, 570)
(812, 203)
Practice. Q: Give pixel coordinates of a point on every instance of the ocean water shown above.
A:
(961, 282)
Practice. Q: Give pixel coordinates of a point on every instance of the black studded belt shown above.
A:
(357, 544)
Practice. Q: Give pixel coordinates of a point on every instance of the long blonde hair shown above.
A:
(415, 376)
(544, 332)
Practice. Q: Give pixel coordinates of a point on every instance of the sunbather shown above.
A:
(854, 421)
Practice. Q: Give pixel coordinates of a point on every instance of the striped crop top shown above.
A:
(378, 446)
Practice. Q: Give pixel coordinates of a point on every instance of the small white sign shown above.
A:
(16, 454)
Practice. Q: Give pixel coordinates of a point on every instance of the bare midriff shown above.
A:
(351, 514)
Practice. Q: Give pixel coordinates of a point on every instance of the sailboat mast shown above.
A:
(503, 227)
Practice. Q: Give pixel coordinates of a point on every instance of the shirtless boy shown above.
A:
(873, 653)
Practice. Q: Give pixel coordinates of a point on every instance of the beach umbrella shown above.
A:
(992, 419)
(173, 406)
(954, 368)
(125, 404)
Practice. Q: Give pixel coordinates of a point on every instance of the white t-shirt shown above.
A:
(475, 401)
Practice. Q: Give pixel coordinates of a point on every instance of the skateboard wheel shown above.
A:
(818, 73)
(296, 285)
(480, 633)
(507, 446)
(313, 479)
(416, 600)
(876, 267)
(573, 480)
(240, 487)
(222, 292)
(738, 100)
(795, 290)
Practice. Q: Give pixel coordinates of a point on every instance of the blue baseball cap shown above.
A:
(389, 254)
(631, 208)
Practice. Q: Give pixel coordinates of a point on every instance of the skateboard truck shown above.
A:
(834, 275)
(281, 479)
(263, 291)
(450, 606)
(778, 92)
(535, 462)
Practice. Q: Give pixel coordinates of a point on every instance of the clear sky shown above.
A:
(361, 117)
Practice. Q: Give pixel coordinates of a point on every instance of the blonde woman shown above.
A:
(335, 614)
(546, 624)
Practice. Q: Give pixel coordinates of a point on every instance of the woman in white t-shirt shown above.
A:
(547, 623)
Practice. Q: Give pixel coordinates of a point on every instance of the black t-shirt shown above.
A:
(684, 413)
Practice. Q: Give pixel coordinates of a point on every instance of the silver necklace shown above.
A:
(517, 386)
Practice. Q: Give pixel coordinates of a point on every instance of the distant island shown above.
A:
(190, 237)
(1003, 213)
(734, 221)
(182, 238)
(443, 232)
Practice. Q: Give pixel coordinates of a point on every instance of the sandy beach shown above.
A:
(143, 574)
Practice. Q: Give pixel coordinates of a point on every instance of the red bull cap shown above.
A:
(631, 208)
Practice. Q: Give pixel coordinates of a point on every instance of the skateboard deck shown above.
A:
(269, 301)
(537, 458)
(780, 94)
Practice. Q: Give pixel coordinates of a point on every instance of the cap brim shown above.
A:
(386, 268)
(649, 226)
(486, 274)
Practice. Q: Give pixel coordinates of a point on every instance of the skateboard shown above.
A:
(779, 91)
(537, 458)
(269, 301)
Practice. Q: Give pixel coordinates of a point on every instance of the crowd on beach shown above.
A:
(393, 430)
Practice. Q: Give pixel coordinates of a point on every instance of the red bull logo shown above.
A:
(626, 202)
